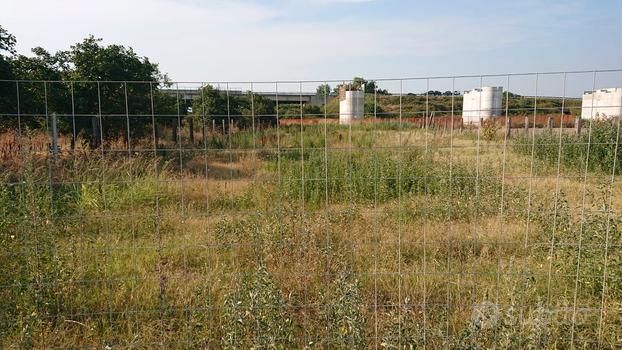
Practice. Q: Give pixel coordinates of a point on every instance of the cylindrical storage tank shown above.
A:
(482, 103)
(603, 103)
(351, 105)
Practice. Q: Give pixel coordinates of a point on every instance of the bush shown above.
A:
(592, 228)
(345, 314)
(31, 273)
(492, 326)
(489, 130)
(367, 176)
(404, 331)
(600, 143)
(255, 316)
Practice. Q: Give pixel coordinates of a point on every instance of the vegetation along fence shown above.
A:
(133, 215)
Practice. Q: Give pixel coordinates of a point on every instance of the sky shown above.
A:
(260, 40)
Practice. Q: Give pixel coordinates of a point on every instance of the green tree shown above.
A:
(359, 83)
(7, 90)
(7, 41)
(112, 65)
(214, 104)
(36, 97)
(323, 90)
(83, 82)
(262, 108)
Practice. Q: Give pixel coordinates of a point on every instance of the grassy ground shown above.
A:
(339, 237)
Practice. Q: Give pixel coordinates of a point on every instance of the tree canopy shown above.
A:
(86, 80)
(359, 83)
(7, 41)
(322, 90)
(214, 104)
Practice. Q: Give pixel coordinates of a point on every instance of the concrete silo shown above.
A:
(351, 106)
(602, 103)
(484, 102)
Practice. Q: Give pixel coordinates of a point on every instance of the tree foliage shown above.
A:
(80, 84)
(217, 105)
(358, 83)
(7, 41)
(322, 90)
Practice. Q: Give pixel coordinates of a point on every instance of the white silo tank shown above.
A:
(484, 102)
(351, 106)
(602, 103)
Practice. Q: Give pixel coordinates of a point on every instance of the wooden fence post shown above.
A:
(508, 127)
(577, 125)
(95, 129)
(54, 136)
(203, 131)
(174, 133)
(191, 128)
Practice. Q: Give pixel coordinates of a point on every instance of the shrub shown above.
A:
(256, 315)
(601, 142)
(345, 314)
(590, 229)
(489, 130)
(31, 273)
(367, 176)
(403, 330)
(494, 327)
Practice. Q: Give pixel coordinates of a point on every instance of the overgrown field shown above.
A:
(321, 236)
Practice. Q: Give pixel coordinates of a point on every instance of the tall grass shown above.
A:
(596, 145)
(39, 212)
(367, 177)
(139, 252)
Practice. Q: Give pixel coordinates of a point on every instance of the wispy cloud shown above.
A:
(290, 39)
(340, 1)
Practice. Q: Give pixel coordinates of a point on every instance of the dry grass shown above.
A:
(155, 273)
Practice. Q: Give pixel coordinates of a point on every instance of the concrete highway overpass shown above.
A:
(281, 97)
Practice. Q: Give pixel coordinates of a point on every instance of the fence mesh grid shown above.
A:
(244, 214)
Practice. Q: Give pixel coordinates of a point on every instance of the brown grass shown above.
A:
(162, 288)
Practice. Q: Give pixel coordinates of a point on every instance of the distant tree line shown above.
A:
(95, 88)
(108, 92)
(241, 110)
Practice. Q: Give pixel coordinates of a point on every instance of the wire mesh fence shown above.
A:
(245, 215)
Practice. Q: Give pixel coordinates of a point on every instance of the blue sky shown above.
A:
(335, 39)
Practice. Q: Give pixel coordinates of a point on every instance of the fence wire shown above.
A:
(182, 215)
